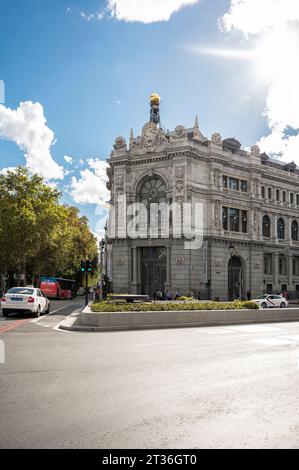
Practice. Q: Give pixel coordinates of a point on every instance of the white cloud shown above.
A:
(257, 16)
(90, 188)
(26, 126)
(68, 159)
(146, 11)
(272, 27)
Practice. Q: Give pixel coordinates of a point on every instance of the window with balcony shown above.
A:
(234, 184)
(234, 220)
(291, 198)
(244, 186)
(266, 226)
(294, 230)
(280, 229)
(269, 193)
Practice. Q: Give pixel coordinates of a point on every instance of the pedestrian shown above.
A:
(248, 295)
(198, 296)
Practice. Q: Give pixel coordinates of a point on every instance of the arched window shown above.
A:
(266, 226)
(153, 190)
(294, 230)
(280, 229)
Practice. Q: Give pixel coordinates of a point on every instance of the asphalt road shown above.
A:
(216, 387)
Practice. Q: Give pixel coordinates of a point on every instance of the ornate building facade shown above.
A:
(250, 215)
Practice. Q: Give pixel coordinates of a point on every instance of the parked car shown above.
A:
(25, 299)
(271, 301)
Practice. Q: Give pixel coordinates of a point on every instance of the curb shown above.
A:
(72, 322)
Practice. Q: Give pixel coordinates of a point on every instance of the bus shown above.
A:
(58, 288)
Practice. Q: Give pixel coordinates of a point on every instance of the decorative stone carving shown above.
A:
(290, 167)
(216, 214)
(180, 133)
(179, 184)
(255, 220)
(218, 261)
(152, 138)
(180, 260)
(120, 185)
(255, 150)
(216, 179)
(120, 143)
(216, 138)
(109, 173)
(120, 260)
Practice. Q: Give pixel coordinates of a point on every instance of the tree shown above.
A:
(38, 235)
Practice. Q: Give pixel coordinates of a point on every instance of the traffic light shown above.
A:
(82, 266)
(88, 266)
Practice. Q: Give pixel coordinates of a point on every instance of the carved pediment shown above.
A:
(152, 139)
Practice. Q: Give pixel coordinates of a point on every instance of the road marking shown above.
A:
(13, 325)
(36, 320)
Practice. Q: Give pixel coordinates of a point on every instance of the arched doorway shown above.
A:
(235, 280)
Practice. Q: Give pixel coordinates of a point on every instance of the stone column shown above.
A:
(290, 271)
(168, 267)
(276, 270)
(135, 269)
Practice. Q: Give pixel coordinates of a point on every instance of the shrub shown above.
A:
(105, 306)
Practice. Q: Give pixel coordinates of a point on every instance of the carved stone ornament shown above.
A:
(152, 138)
(218, 261)
(120, 143)
(120, 185)
(180, 132)
(120, 260)
(179, 183)
(180, 259)
(216, 138)
(255, 150)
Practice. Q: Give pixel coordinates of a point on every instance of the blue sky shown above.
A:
(92, 76)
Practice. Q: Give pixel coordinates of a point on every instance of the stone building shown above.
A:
(250, 215)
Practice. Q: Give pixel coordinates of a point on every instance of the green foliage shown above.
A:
(38, 235)
(104, 306)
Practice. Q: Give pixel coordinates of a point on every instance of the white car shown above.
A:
(25, 299)
(272, 300)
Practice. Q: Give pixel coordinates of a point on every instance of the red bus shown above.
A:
(58, 288)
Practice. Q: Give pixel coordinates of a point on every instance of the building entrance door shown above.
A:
(153, 272)
(234, 278)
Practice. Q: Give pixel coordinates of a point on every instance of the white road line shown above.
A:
(36, 320)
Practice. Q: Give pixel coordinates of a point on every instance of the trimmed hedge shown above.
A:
(105, 306)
